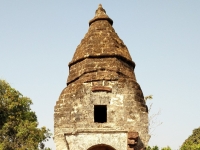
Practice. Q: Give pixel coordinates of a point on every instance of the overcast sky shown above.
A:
(38, 40)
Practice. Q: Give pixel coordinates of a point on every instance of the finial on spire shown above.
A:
(100, 11)
(100, 14)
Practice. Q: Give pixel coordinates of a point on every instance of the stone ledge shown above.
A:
(95, 131)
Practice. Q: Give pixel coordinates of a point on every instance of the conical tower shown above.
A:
(102, 107)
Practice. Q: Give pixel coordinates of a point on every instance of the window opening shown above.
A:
(100, 113)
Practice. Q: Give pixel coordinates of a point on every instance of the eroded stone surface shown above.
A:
(101, 73)
(87, 140)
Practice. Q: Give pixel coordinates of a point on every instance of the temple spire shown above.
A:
(100, 14)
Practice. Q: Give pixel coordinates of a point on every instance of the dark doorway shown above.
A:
(100, 113)
(101, 147)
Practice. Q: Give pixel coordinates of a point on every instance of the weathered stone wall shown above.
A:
(86, 140)
(126, 109)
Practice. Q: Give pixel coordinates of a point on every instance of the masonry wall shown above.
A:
(126, 110)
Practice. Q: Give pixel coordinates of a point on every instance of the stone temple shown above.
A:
(102, 107)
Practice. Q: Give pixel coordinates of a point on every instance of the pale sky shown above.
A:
(38, 40)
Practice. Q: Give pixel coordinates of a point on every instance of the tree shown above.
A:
(193, 141)
(18, 123)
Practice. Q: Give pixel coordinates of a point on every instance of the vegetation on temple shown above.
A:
(18, 123)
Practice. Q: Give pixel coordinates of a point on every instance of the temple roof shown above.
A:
(101, 40)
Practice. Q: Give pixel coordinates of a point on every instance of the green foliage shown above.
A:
(18, 123)
(148, 148)
(152, 148)
(157, 148)
(193, 141)
(166, 148)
